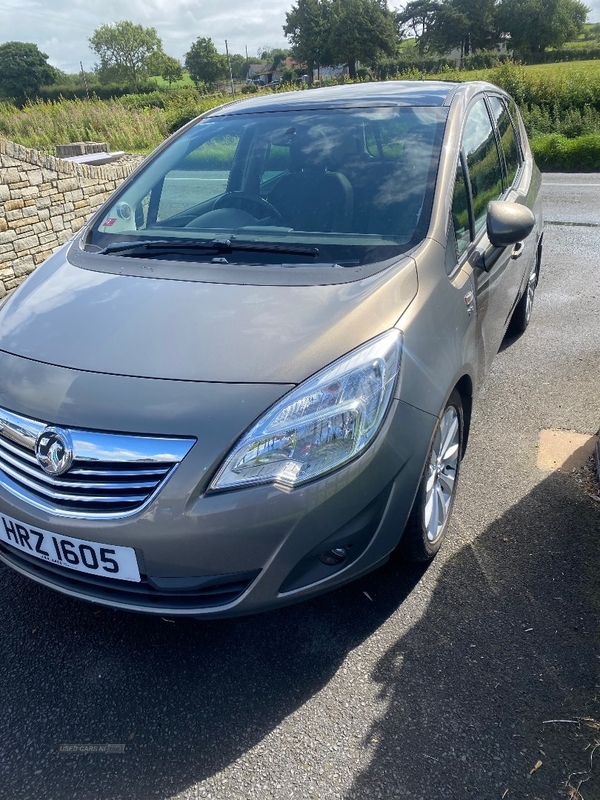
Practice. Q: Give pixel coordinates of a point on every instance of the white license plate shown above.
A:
(108, 561)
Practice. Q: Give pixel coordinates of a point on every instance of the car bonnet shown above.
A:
(194, 331)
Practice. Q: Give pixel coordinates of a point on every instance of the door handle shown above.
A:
(517, 250)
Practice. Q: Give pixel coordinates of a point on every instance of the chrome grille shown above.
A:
(112, 475)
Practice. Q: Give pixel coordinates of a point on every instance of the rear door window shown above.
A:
(508, 139)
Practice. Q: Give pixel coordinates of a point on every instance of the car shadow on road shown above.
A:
(508, 646)
(506, 643)
(186, 698)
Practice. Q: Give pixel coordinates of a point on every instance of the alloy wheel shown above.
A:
(531, 284)
(441, 474)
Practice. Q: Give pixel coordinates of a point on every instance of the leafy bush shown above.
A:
(482, 61)
(136, 102)
(412, 74)
(512, 78)
(555, 152)
(391, 69)
(582, 53)
(552, 88)
(178, 117)
(571, 123)
(109, 91)
(249, 88)
(186, 106)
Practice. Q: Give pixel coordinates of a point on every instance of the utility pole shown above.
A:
(87, 92)
(230, 72)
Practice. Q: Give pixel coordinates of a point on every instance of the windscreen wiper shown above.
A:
(153, 246)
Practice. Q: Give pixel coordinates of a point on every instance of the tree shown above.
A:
(451, 29)
(277, 57)
(307, 26)
(204, 63)
(441, 25)
(437, 25)
(361, 30)
(23, 70)
(64, 78)
(480, 26)
(126, 52)
(239, 66)
(534, 25)
(418, 18)
(169, 69)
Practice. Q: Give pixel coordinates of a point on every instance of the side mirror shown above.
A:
(508, 223)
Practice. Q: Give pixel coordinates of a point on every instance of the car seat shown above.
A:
(309, 197)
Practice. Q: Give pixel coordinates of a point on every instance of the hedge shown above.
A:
(554, 152)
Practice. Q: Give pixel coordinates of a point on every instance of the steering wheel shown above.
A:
(250, 203)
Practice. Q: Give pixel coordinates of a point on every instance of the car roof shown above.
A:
(357, 95)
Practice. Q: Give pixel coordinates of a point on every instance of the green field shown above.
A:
(591, 68)
(558, 72)
(163, 84)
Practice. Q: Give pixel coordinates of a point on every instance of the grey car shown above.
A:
(250, 378)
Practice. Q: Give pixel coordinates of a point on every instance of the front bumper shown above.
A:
(215, 554)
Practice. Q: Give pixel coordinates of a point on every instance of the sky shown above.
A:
(61, 28)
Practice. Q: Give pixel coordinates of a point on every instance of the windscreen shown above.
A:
(312, 186)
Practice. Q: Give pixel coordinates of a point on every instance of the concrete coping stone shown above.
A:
(80, 149)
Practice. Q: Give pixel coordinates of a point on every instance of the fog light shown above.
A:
(334, 557)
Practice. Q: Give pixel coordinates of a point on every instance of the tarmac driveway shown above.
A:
(476, 677)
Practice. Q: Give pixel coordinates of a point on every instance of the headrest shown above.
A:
(309, 149)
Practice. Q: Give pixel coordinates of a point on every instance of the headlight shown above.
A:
(320, 425)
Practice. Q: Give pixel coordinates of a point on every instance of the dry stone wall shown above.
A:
(43, 201)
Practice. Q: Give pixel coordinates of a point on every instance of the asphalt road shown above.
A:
(413, 683)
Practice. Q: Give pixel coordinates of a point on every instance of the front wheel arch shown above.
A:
(425, 531)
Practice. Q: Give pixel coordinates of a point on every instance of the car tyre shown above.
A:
(523, 310)
(428, 521)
